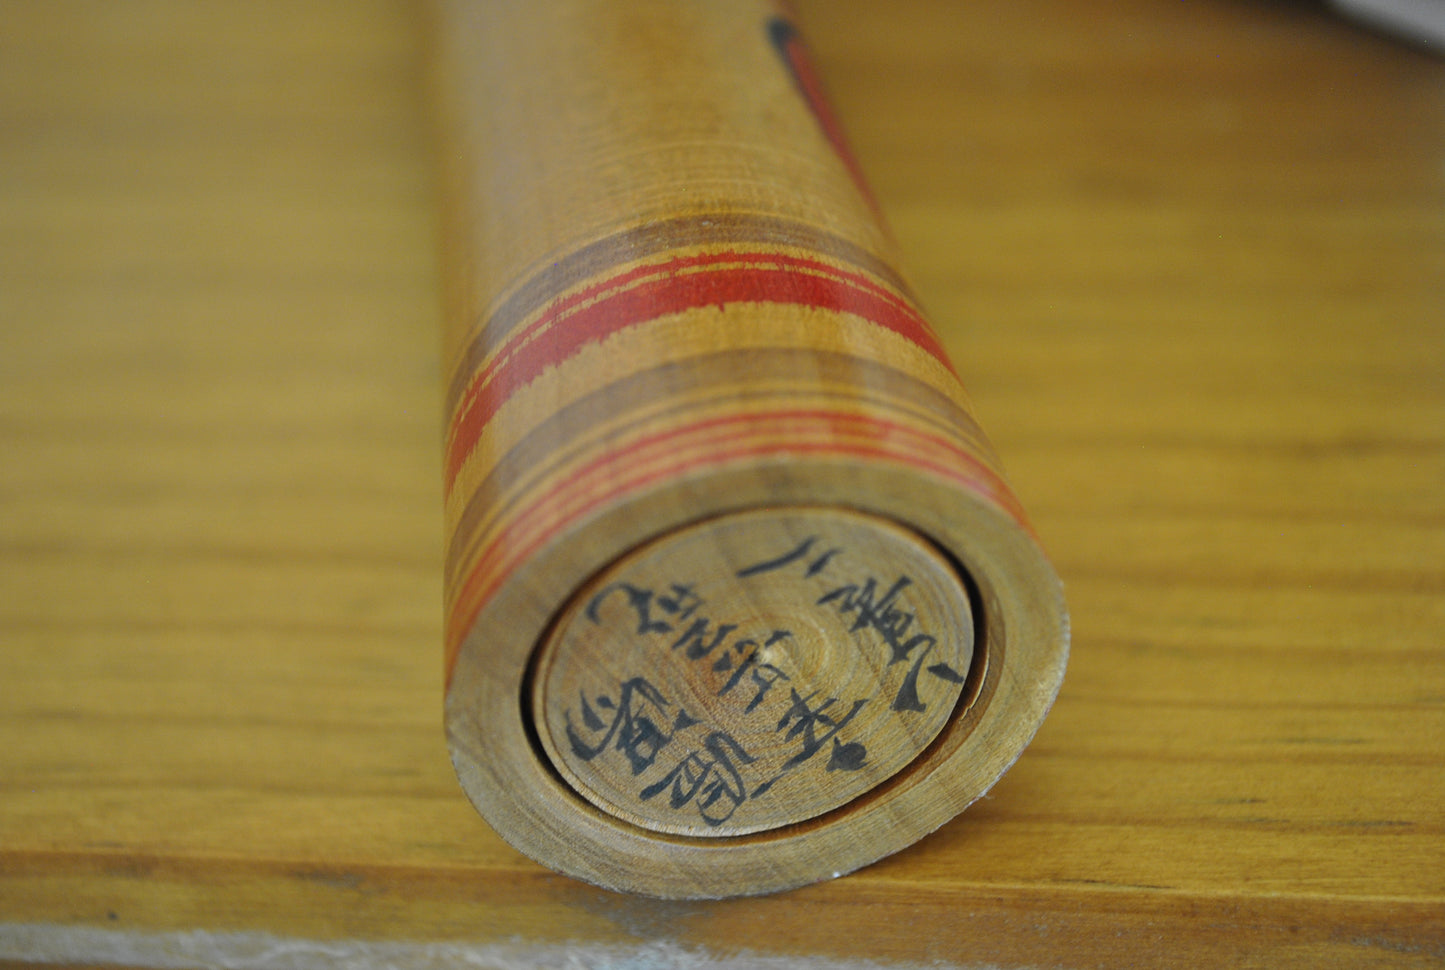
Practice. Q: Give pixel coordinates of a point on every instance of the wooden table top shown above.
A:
(1190, 261)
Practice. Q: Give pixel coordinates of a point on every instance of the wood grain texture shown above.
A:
(674, 307)
(1189, 260)
(790, 751)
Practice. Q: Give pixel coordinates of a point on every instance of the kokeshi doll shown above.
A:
(737, 598)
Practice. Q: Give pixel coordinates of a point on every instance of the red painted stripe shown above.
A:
(799, 423)
(522, 537)
(648, 292)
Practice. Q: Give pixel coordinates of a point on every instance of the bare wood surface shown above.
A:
(797, 629)
(1189, 260)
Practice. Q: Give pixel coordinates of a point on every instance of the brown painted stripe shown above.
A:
(559, 440)
(643, 242)
(718, 441)
(645, 292)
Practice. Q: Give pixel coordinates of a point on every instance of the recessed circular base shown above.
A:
(508, 747)
(753, 671)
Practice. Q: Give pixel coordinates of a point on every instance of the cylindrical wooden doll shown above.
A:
(737, 597)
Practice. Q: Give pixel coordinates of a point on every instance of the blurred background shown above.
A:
(1189, 259)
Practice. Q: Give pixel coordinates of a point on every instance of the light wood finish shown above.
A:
(736, 620)
(1189, 260)
(673, 308)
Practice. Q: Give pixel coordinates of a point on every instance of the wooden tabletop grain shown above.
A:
(1190, 261)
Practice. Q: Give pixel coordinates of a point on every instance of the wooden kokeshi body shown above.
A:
(737, 598)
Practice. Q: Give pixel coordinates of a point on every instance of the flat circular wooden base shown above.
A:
(585, 813)
(752, 671)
